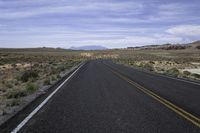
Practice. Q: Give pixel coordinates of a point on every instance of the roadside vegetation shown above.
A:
(25, 74)
(176, 63)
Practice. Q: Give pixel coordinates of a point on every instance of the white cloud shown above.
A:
(185, 30)
(61, 36)
(111, 23)
(1, 25)
(66, 38)
(175, 12)
(84, 7)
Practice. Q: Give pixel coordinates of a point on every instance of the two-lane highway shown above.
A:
(96, 100)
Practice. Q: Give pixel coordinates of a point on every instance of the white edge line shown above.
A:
(42, 104)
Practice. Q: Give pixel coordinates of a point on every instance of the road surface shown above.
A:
(103, 97)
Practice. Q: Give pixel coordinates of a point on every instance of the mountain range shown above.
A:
(89, 47)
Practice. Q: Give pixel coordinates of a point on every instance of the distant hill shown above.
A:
(89, 47)
(193, 45)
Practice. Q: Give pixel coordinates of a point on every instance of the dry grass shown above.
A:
(23, 72)
(171, 62)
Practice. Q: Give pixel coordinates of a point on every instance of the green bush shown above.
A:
(151, 62)
(30, 87)
(53, 70)
(132, 63)
(187, 73)
(47, 82)
(8, 85)
(50, 62)
(173, 72)
(148, 67)
(3, 81)
(14, 102)
(198, 47)
(61, 68)
(13, 65)
(16, 94)
(196, 75)
(29, 75)
(68, 65)
(53, 78)
(36, 65)
(3, 89)
(58, 76)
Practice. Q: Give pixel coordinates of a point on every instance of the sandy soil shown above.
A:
(195, 70)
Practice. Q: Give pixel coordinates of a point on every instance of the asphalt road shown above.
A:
(101, 98)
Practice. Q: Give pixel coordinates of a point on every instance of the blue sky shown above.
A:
(110, 23)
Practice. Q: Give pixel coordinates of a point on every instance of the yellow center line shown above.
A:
(188, 116)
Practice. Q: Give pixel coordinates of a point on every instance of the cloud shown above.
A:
(81, 8)
(2, 25)
(185, 30)
(71, 38)
(177, 12)
(111, 23)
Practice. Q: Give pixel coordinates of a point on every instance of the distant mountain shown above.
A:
(193, 45)
(89, 47)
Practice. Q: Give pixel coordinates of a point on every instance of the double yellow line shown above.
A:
(188, 116)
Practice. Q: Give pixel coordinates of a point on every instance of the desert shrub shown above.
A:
(68, 65)
(162, 69)
(18, 77)
(132, 63)
(61, 68)
(16, 94)
(151, 62)
(3, 81)
(58, 76)
(14, 102)
(16, 83)
(47, 82)
(173, 72)
(4, 112)
(29, 74)
(3, 89)
(53, 78)
(175, 47)
(36, 65)
(8, 85)
(54, 64)
(53, 70)
(148, 67)
(196, 75)
(186, 73)
(13, 65)
(198, 47)
(30, 87)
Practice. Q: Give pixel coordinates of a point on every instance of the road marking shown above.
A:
(171, 77)
(157, 74)
(42, 104)
(188, 116)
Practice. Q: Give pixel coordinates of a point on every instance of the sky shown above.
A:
(109, 23)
